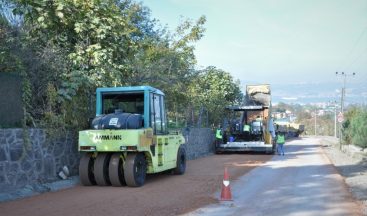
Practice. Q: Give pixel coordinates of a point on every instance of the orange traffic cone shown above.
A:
(226, 194)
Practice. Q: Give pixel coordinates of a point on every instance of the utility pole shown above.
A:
(333, 103)
(335, 119)
(315, 120)
(344, 75)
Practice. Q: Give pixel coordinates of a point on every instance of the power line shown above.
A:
(352, 49)
(355, 60)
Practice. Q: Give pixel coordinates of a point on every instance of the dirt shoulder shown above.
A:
(352, 165)
(163, 194)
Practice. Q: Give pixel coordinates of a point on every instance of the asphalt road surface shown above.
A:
(301, 183)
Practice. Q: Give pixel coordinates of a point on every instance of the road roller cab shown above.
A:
(129, 138)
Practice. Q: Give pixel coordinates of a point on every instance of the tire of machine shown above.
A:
(218, 152)
(101, 169)
(181, 161)
(116, 170)
(86, 166)
(274, 148)
(135, 169)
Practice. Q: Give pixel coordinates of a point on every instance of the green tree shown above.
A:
(359, 126)
(355, 127)
(95, 37)
(75, 46)
(214, 89)
(348, 133)
(168, 62)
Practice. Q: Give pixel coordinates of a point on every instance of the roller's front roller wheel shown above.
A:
(116, 170)
(135, 169)
(86, 170)
(181, 162)
(101, 169)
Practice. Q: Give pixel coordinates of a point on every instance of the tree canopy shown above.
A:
(64, 49)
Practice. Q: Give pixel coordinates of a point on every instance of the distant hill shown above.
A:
(304, 93)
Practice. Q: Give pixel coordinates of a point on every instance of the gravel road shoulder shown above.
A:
(163, 194)
(352, 166)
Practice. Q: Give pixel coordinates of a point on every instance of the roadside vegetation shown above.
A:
(65, 49)
(354, 127)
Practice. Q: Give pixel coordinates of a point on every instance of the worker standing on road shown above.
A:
(219, 135)
(280, 138)
(246, 129)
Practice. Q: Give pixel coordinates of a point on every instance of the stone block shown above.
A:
(16, 153)
(72, 160)
(2, 137)
(3, 141)
(61, 161)
(42, 137)
(62, 139)
(30, 154)
(49, 147)
(18, 133)
(21, 180)
(13, 167)
(2, 172)
(32, 177)
(8, 132)
(34, 134)
(3, 153)
(37, 166)
(59, 149)
(49, 167)
(38, 154)
(12, 174)
(26, 165)
(10, 139)
(35, 143)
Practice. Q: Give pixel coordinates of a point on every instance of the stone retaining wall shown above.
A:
(37, 162)
(40, 161)
(199, 142)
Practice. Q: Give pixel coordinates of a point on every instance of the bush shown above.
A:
(358, 125)
(356, 128)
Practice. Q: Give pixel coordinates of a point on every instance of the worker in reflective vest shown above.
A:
(280, 138)
(246, 129)
(219, 136)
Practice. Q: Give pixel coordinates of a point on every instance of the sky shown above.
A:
(277, 41)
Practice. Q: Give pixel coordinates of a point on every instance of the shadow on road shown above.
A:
(303, 182)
